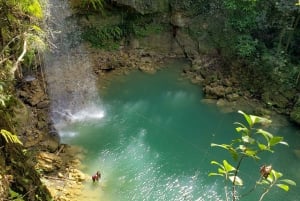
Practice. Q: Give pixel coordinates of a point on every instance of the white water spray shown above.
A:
(69, 70)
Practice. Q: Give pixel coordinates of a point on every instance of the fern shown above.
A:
(9, 137)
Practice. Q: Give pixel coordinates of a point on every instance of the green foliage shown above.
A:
(88, 4)
(15, 196)
(21, 39)
(4, 96)
(246, 46)
(146, 30)
(9, 137)
(106, 37)
(251, 143)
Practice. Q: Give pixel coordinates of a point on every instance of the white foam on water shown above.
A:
(68, 133)
(88, 114)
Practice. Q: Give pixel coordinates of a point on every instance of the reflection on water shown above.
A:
(151, 141)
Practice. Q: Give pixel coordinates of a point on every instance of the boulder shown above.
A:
(215, 91)
(48, 162)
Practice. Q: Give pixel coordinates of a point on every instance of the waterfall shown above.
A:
(68, 68)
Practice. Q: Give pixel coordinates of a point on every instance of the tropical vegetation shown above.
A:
(251, 143)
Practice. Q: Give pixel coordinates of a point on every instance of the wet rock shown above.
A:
(32, 137)
(215, 91)
(48, 162)
(275, 99)
(295, 113)
(197, 79)
(178, 20)
(50, 143)
(232, 97)
(77, 175)
(43, 105)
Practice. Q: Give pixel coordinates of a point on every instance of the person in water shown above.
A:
(96, 177)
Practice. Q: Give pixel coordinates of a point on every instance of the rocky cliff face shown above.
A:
(27, 117)
(189, 33)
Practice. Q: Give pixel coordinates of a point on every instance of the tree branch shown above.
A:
(16, 65)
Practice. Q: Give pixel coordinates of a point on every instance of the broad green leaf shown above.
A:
(248, 139)
(271, 177)
(242, 147)
(215, 174)
(262, 146)
(283, 186)
(9, 137)
(276, 174)
(238, 181)
(239, 129)
(284, 143)
(275, 140)
(218, 164)
(264, 182)
(224, 146)
(260, 120)
(227, 166)
(222, 171)
(247, 117)
(250, 153)
(265, 134)
(288, 181)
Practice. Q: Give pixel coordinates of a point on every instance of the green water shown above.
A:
(150, 138)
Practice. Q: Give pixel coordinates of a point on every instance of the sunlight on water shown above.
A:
(135, 173)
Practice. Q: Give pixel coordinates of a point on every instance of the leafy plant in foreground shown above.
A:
(9, 137)
(251, 143)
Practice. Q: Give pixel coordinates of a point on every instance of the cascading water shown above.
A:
(69, 73)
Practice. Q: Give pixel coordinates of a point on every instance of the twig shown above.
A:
(15, 67)
(60, 149)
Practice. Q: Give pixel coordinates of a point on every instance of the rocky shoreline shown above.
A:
(59, 165)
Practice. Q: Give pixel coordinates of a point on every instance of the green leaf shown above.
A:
(242, 147)
(224, 146)
(275, 140)
(276, 174)
(260, 120)
(248, 139)
(222, 171)
(283, 187)
(9, 137)
(288, 181)
(247, 117)
(238, 181)
(218, 164)
(251, 153)
(227, 166)
(270, 178)
(262, 146)
(265, 134)
(242, 129)
(215, 174)
(264, 182)
(284, 143)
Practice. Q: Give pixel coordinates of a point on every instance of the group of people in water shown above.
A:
(96, 177)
